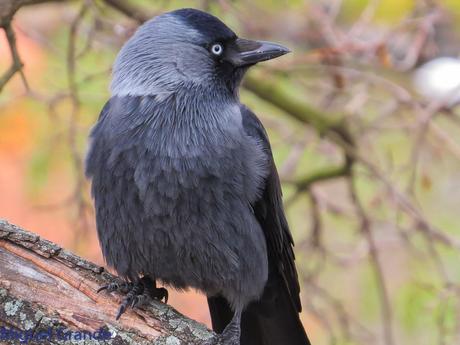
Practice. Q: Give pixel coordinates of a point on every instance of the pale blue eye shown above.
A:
(217, 49)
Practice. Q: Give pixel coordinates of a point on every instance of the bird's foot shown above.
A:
(115, 286)
(153, 291)
(135, 297)
(215, 340)
(230, 335)
(160, 294)
(223, 339)
(137, 293)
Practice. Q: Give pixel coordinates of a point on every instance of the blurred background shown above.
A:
(362, 118)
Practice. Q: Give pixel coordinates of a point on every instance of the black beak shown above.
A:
(244, 52)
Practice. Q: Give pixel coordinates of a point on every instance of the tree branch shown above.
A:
(43, 287)
(331, 125)
(129, 10)
(16, 63)
(376, 262)
(323, 174)
(270, 91)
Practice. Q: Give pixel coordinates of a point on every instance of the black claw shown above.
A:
(134, 302)
(139, 300)
(111, 287)
(103, 287)
(132, 298)
(121, 310)
(160, 294)
(156, 293)
(163, 294)
(128, 300)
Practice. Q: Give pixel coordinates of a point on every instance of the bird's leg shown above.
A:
(231, 334)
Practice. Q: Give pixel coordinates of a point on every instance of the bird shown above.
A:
(184, 183)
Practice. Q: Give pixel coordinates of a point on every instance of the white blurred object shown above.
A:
(439, 80)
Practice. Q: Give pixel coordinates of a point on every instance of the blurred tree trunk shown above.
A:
(44, 288)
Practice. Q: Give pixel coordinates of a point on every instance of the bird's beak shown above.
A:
(244, 52)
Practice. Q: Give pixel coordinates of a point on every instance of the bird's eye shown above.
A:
(217, 49)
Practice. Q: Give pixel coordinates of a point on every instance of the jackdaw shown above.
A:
(185, 188)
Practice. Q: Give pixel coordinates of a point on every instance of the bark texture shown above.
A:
(43, 287)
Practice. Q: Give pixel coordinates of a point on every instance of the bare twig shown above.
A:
(366, 229)
(83, 207)
(16, 64)
(129, 10)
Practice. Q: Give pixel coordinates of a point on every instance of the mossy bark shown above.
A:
(44, 288)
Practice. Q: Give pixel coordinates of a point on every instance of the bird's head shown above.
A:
(186, 48)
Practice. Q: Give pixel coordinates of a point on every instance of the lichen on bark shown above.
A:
(43, 287)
